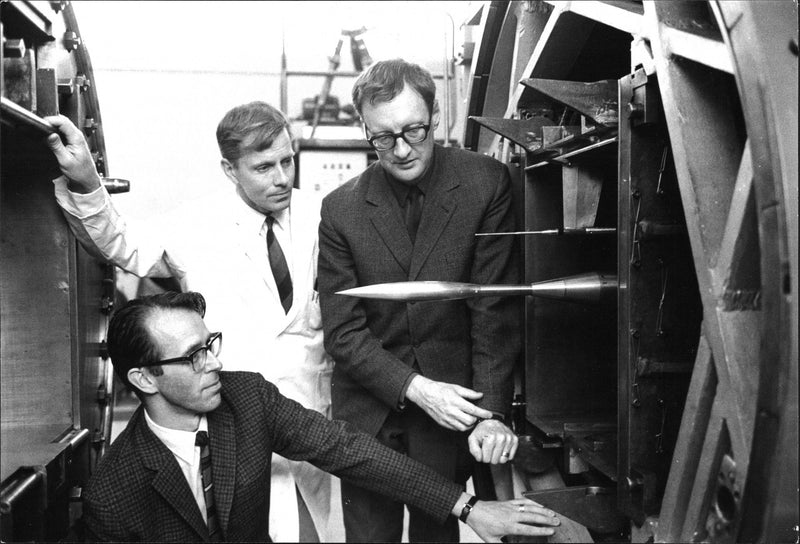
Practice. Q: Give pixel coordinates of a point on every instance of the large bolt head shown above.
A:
(66, 86)
(71, 40)
(82, 82)
(14, 49)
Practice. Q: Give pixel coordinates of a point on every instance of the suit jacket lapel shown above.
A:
(386, 219)
(223, 461)
(169, 481)
(439, 208)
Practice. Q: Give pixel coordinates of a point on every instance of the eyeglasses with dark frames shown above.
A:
(198, 357)
(412, 135)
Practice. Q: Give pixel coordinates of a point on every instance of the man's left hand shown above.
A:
(492, 442)
(493, 520)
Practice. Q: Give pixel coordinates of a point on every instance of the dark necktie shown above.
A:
(277, 262)
(208, 486)
(414, 201)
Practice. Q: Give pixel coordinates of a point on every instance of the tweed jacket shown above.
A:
(363, 240)
(139, 493)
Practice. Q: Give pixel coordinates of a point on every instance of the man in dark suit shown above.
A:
(418, 376)
(193, 464)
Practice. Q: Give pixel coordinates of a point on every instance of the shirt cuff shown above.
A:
(498, 416)
(79, 205)
(401, 402)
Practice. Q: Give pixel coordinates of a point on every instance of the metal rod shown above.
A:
(284, 87)
(21, 115)
(446, 92)
(107, 417)
(11, 495)
(333, 65)
(585, 149)
(558, 232)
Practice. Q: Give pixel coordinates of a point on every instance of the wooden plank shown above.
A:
(689, 446)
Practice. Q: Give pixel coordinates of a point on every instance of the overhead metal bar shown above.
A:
(523, 132)
(703, 49)
(21, 115)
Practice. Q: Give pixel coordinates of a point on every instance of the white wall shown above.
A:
(166, 72)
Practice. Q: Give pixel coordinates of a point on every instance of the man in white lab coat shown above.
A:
(224, 245)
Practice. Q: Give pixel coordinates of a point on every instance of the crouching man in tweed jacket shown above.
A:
(156, 482)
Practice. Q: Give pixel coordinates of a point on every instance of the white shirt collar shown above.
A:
(282, 218)
(253, 220)
(180, 443)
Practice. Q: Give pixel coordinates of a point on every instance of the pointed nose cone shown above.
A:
(414, 291)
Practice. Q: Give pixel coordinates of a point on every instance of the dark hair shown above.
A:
(129, 342)
(249, 127)
(384, 80)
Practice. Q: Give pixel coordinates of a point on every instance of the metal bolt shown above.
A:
(99, 161)
(793, 46)
(58, 6)
(66, 87)
(71, 40)
(103, 350)
(14, 49)
(635, 109)
(89, 125)
(106, 305)
(635, 333)
(82, 82)
(102, 395)
(633, 484)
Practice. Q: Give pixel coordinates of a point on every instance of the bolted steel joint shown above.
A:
(106, 305)
(82, 82)
(14, 49)
(99, 162)
(66, 87)
(89, 125)
(71, 40)
(635, 109)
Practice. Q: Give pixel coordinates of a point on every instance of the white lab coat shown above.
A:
(212, 246)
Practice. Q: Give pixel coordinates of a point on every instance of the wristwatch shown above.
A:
(467, 508)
